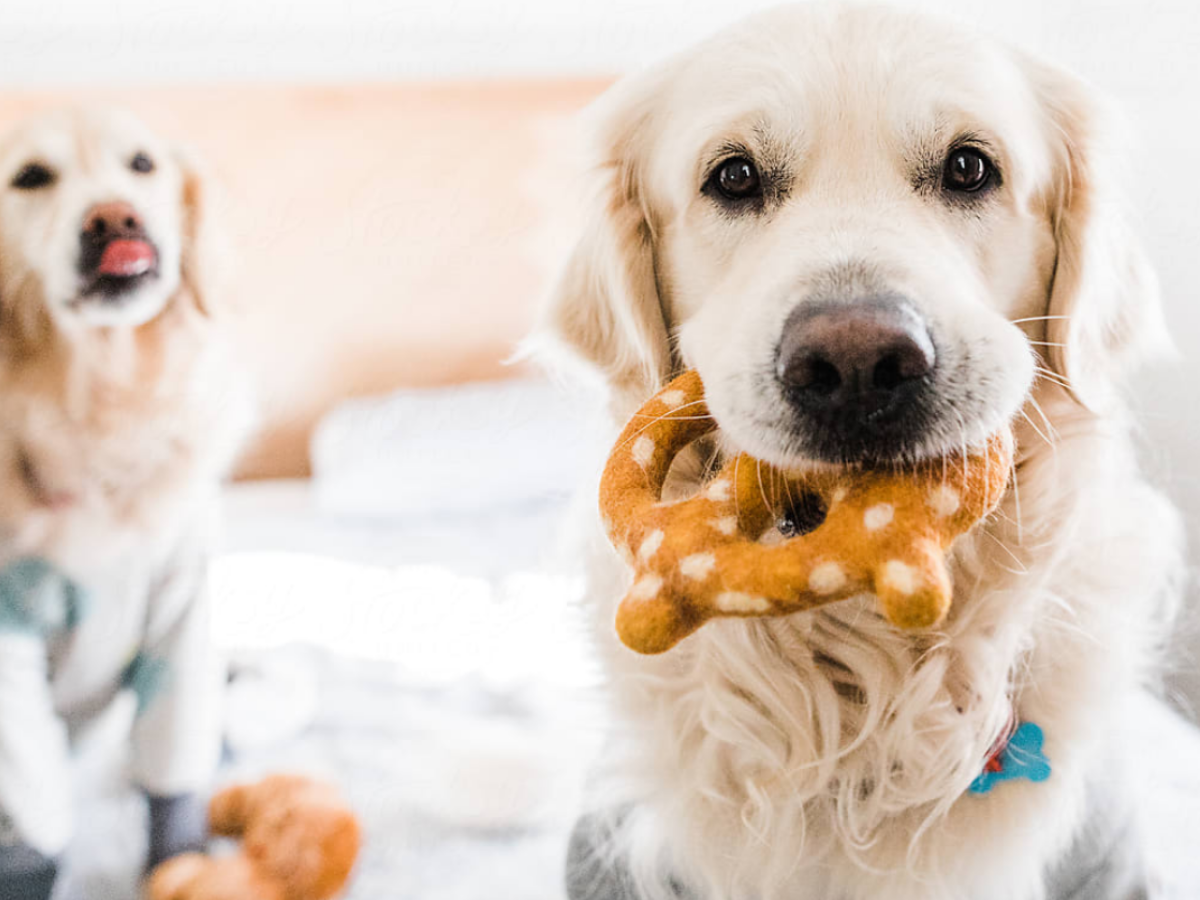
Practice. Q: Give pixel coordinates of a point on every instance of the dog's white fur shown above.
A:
(118, 418)
(826, 755)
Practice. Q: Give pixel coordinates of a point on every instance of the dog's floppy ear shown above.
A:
(204, 252)
(1104, 308)
(26, 327)
(606, 305)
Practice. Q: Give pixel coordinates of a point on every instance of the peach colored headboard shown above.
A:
(383, 235)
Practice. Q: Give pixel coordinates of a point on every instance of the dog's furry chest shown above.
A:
(128, 461)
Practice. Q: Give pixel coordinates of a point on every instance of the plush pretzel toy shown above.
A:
(884, 532)
(298, 842)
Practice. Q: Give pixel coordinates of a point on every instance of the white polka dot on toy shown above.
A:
(646, 587)
(673, 399)
(827, 577)
(643, 451)
(944, 500)
(698, 566)
(840, 494)
(650, 545)
(879, 516)
(900, 576)
(727, 525)
(736, 602)
(718, 490)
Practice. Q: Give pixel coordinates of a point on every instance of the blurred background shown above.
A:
(400, 180)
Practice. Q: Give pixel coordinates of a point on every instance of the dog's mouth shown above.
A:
(952, 409)
(113, 268)
(797, 445)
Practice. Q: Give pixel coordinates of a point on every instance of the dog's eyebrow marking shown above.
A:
(926, 161)
(774, 161)
(723, 151)
(927, 154)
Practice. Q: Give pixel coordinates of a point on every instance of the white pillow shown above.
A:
(456, 449)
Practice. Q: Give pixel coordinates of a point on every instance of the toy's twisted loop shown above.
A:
(884, 532)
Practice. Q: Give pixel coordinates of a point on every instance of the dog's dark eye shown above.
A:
(967, 170)
(736, 179)
(142, 163)
(32, 176)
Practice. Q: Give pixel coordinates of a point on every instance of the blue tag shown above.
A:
(1022, 757)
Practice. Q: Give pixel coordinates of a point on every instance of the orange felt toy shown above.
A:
(299, 842)
(883, 532)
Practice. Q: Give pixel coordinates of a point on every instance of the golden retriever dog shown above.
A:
(121, 413)
(879, 239)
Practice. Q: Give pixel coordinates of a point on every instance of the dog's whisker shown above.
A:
(1024, 569)
(1052, 377)
(1015, 483)
(1037, 430)
(656, 419)
(763, 492)
(1045, 419)
(653, 419)
(1036, 319)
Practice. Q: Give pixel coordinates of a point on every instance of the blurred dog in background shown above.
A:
(122, 411)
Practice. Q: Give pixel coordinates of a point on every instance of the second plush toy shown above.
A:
(884, 532)
(299, 841)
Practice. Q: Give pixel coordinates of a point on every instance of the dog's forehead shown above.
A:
(44, 138)
(85, 137)
(849, 48)
(874, 77)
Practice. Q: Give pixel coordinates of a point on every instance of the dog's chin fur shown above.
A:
(826, 755)
(136, 426)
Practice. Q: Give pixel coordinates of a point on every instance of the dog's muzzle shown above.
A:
(115, 254)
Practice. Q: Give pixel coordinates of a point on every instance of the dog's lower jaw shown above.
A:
(828, 756)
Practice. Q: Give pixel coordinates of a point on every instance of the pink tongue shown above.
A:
(126, 257)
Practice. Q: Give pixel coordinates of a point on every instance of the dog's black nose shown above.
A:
(862, 357)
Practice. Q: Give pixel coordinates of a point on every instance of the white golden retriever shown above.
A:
(121, 403)
(879, 238)
(120, 413)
